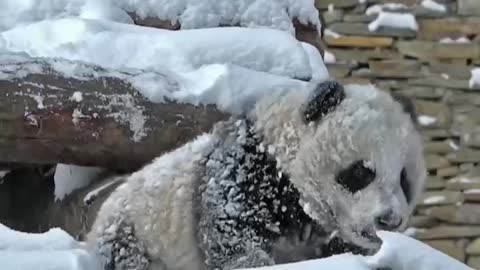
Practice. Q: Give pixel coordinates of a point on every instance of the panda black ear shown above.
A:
(407, 105)
(324, 99)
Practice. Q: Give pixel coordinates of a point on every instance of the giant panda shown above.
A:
(302, 175)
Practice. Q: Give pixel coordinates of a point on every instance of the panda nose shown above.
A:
(388, 221)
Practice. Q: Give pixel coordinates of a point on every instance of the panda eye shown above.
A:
(405, 185)
(356, 177)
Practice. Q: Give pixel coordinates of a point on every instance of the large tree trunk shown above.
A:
(43, 120)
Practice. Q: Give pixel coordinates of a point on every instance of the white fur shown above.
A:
(368, 125)
(158, 200)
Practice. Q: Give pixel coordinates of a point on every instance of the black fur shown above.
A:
(240, 171)
(407, 105)
(323, 100)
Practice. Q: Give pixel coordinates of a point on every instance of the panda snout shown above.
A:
(388, 221)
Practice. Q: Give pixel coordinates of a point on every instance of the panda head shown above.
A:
(353, 153)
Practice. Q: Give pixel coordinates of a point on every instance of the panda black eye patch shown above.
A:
(356, 177)
(405, 185)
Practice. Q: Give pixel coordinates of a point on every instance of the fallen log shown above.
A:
(47, 117)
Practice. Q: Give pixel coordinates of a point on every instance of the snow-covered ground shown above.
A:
(227, 66)
(56, 250)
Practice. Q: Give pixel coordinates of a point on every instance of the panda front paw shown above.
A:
(257, 258)
(120, 249)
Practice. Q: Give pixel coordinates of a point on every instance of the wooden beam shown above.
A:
(47, 117)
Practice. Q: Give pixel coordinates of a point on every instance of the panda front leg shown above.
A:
(256, 258)
(117, 246)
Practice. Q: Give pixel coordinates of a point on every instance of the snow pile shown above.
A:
(434, 6)
(329, 58)
(426, 120)
(474, 82)
(277, 14)
(56, 250)
(68, 178)
(394, 20)
(232, 70)
(376, 9)
(52, 250)
(458, 40)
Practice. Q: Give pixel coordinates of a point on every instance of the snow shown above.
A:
(434, 6)
(77, 96)
(276, 14)
(426, 120)
(453, 145)
(375, 9)
(69, 178)
(394, 20)
(54, 239)
(56, 250)
(434, 199)
(232, 70)
(329, 58)
(474, 81)
(52, 250)
(331, 33)
(458, 40)
(472, 191)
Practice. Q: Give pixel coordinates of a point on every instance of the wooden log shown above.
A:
(47, 117)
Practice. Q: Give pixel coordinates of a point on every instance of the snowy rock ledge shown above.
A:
(55, 250)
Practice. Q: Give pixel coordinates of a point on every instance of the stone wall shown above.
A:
(436, 74)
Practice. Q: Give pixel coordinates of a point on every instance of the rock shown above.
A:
(357, 55)
(423, 222)
(394, 69)
(440, 82)
(459, 98)
(447, 232)
(421, 12)
(466, 167)
(360, 29)
(472, 195)
(437, 112)
(428, 49)
(469, 7)
(435, 29)
(438, 147)
(338, 70)
(449, 247)
(423, 92)
(358, 18)
(474, 247)
(453, 71)
(459, 214)
(323, 4)
(431, 198)
(436, 133)
(448, 172)
(351, 80)
(470, 180)
(465, 155)
(434, 183)
(436, 162)
(474, 262)
(359, 41)
(331, 16)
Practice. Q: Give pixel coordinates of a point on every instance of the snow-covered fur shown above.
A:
(300, 175)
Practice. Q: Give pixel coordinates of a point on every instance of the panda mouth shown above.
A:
(365, 243)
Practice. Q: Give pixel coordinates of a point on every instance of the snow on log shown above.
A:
(47, 117)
